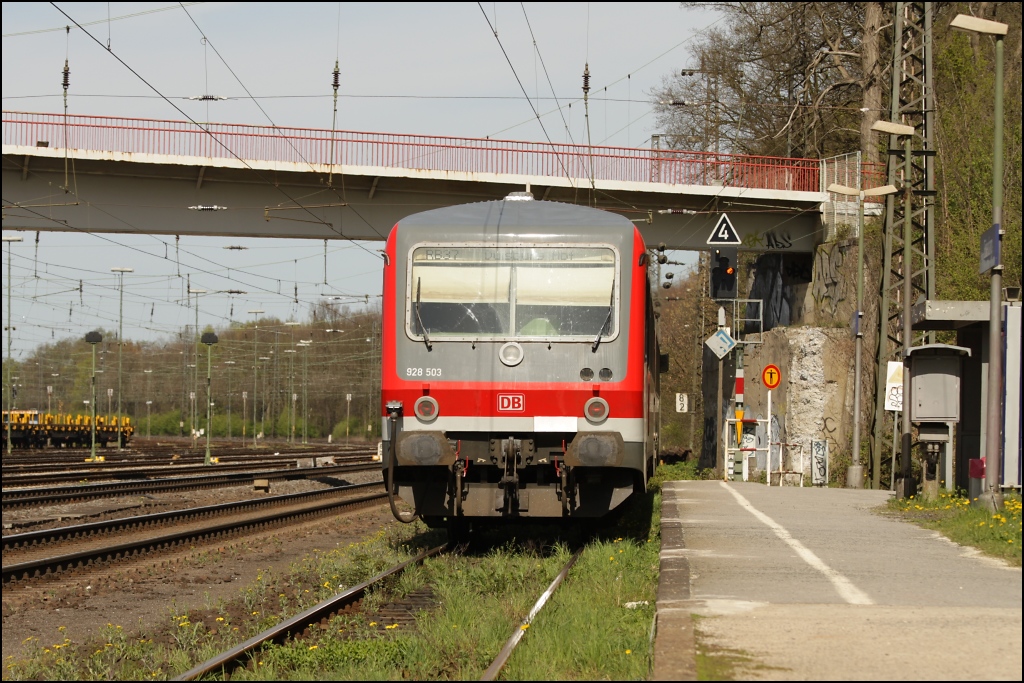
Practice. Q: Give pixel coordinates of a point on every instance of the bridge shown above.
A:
(128, 175)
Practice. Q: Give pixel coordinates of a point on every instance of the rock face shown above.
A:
(814, 400)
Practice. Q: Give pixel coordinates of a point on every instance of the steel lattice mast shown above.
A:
(913, 104)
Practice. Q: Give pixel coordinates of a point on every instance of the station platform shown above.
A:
(818, 584)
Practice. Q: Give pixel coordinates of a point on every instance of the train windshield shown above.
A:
(529, 292)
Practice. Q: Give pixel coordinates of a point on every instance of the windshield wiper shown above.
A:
(419, 319)
(607, 320)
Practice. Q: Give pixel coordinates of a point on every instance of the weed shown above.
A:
(953, 515)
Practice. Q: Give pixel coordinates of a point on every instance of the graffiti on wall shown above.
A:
(829, 283)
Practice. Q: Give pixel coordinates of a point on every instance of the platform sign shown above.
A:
(720, 343)
(724, 234)
(682, 403)
(771, 376)
(990, 243)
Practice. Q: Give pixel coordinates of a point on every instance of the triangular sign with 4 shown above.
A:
(724, 233)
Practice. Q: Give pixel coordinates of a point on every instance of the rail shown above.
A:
(299, 622)
(312, 146)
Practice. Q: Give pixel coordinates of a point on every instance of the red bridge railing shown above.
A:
(421, 152)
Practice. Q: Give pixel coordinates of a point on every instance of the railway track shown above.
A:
(31, 555)
(23, 497)
(147, 470)
(300, 622)
(296, 625)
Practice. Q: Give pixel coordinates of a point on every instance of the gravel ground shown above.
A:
(143, 592)
(20, 520)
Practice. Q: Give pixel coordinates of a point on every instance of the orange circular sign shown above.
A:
(771, 376)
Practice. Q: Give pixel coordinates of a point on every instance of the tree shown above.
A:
(779, 79)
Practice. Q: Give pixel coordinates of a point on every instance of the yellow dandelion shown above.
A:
(524, 627)
(62, 628)
(255, 613)
(313, 647)
(373, 623)
(220, 619)
(629, 652)
(392, 626)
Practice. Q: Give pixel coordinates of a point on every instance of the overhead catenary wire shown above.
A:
(259, 174)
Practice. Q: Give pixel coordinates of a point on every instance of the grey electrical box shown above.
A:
(935, 382)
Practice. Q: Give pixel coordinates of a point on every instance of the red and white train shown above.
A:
(520, 362)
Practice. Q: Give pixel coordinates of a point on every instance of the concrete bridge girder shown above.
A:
(150, 194)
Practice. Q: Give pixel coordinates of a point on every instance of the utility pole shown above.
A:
(230, 363)
(120, 344)
(149, 401)
(305, 343)
(720, 460)
(10, 366)
(255, 361)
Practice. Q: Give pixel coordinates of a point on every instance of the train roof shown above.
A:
(518, 217)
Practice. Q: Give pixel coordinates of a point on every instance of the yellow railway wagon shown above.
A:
(32, 429)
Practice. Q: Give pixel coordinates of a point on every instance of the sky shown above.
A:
(431, 69)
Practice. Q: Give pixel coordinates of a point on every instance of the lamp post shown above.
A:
(855, 473)
(149, 402)
(209, 338)
(230, 363)
(92, 338)
(991, 497)
(906, 445)
(9, 239)
(305, 344)
(120, 343)
(255, 356)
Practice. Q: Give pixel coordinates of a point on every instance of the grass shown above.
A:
(952, 515)
(598, 624)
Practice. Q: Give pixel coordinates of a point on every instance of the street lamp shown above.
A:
(855, 473)
(149, 403)
(209, 338)
(897, 130)
(120, 343)
(255, 354)
(991, 497)
(92, 338)
(9, 239)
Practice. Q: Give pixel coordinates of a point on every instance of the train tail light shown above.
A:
(596, 410)
(426, 408)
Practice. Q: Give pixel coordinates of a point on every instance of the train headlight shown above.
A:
(596, 410)
(586, 374)
(425, 408)
(605, 374)
(511, 354)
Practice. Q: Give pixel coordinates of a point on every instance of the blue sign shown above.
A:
(990, 247)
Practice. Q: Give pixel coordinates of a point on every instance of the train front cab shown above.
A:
(520, 364)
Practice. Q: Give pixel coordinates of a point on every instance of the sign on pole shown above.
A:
(720, 343)
(682, 403)
(348, 397)
(724, 233)
(894, 386)
(771, 376)
(990, 243)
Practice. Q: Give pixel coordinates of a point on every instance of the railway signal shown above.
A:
(723, 273)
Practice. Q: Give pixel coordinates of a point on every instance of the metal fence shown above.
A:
(309, 146)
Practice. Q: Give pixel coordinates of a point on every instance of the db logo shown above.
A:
(514, 403)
